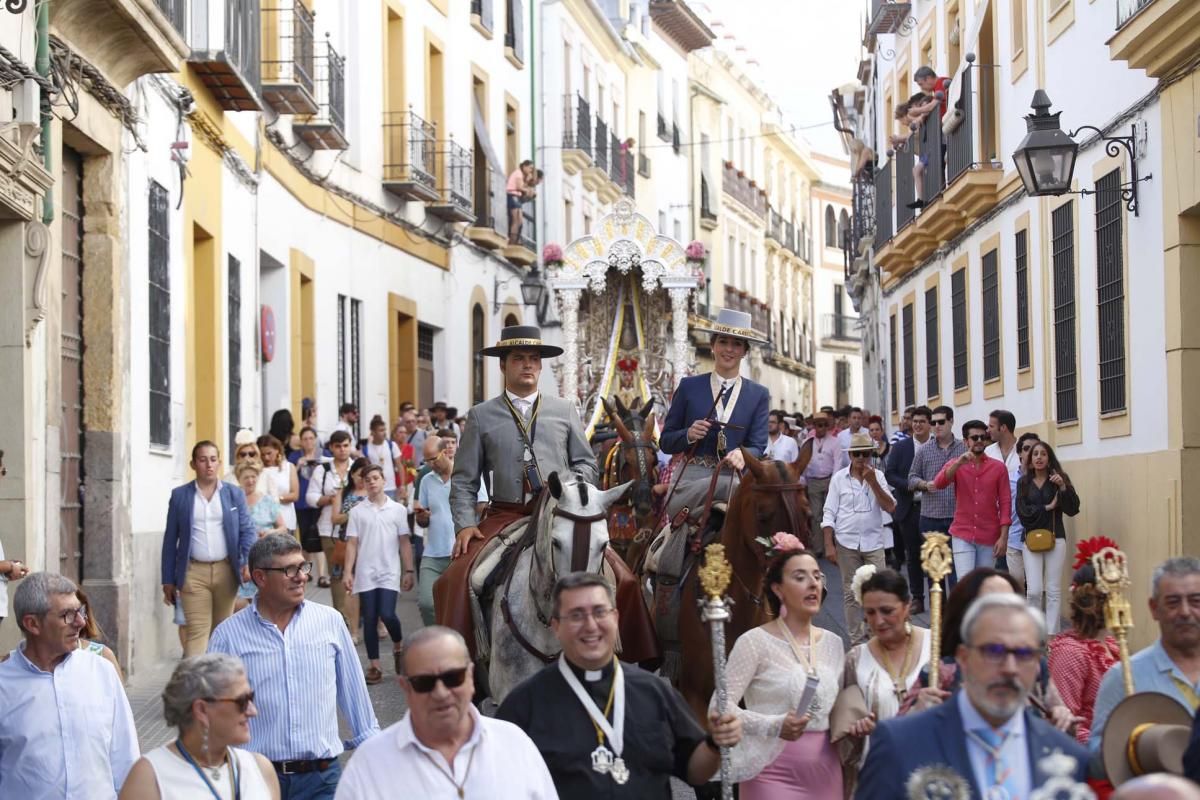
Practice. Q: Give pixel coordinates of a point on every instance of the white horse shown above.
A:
(522, 642)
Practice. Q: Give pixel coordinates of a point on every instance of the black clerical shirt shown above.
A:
(660, 732)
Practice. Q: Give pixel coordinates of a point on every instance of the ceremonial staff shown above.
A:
(714, 609)
(936, 562)
(1112, 579)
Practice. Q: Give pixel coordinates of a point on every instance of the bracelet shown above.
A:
(410, 572)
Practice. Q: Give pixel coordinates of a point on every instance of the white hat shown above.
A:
(733, 323)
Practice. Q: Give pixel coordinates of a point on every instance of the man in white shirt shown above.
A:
(780, 445)
(347, 418)
(443, 748)
(324, 489)
(855, 418)
(67, 729)
(1001, 427)
(384, 453)
(853, 524)
(379, 565)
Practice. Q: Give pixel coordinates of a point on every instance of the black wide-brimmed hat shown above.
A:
(521, 337)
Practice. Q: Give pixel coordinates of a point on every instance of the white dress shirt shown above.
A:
(734, 386)
(522, 404)
(64, 734)
(208, 528)
(782, 448)
(498, 761)
(1014, 752)
(1012, 463)
(854, 513)
(378, 529)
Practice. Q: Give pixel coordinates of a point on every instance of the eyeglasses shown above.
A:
(292, 570)
(998, 653)
(451, 679)
(939, 421)
(977, 437)
(69, 615)
(860, 455)
(242, 702)
(579, 616)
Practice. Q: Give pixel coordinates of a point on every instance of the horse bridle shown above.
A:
(786, 489)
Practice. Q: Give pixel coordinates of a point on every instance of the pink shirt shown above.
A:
(983, 499)
(516, 182)
(825, 455)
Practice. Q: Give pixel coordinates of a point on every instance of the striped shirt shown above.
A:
(927, 463)
(300, 677)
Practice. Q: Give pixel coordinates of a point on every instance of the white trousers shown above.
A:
(1043, 573)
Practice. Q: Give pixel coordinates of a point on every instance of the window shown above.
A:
(1062, 248)
(160, 316)
(892, 351)
(843, 383)
(568, 221)
(1021, 248)
(910, 356)
(234, 300)
(958, 321)
(349, 316)
(477, 360)
(843, 227)
(932, 342)
(991, 317)
(1018, 27)
(830, 227)
(1110, 289)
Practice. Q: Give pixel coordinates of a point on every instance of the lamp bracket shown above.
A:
(1112, 147)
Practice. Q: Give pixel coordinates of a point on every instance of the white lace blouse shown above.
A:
(864, 671)
(764, 672)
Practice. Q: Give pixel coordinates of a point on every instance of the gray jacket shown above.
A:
(491, 444)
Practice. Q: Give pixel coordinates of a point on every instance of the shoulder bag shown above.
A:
(1041, 540)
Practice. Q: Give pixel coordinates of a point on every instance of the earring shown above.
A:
(908, 628)
(204, 743)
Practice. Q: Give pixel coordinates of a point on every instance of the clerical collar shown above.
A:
(602, 675)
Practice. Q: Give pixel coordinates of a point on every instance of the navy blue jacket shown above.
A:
(899, 461)
(902, 745)
(694, 399)
(240, 532)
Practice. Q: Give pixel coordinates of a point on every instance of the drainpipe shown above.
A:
(42, 64)
(533, 98)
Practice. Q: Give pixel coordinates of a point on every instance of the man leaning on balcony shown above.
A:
(518, 186)
(934, 89)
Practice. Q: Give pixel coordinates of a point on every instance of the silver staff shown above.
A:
(714, 609)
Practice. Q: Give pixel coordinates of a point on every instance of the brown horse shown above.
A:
(635, 459)
(769, 499)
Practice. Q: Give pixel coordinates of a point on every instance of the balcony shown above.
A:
(326, 129)
(481, 17)
(737, 185)
(664, 130)
(708, 217)
(595, 176)
(454, 201)
(577, 134)
(522, 248)
(675, 143)
(410, 156)
(888, 17)
(862, 220)
(226, 43)
(288, 64)
(490, 229)
(176, 12)
(840, 330)
(620, 171)
(514, 34)
(775, 227)
(1159, 36)
(680, 24)
(954, 190)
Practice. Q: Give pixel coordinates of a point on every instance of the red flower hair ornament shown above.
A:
(1087, 548)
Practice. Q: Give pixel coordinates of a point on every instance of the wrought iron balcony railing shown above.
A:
(601, 154)
(664, 130)
(454, 201)
(326, 129)
(410, 156)
(577, 124)
(883, 204)
(288, 64)
(840, 327)
(226, 39)
(737, 185)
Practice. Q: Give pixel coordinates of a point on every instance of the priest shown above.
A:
(605, 728)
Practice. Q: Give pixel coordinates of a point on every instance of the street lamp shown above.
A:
(1045, 158)
(532, 290)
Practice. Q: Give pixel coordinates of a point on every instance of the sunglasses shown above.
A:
(998, 653)
(451, 679)
(939, 421)
(977, 437)
(1026, 448)
(242, 702)
(860, 455)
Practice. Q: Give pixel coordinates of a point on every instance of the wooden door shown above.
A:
(71, 474)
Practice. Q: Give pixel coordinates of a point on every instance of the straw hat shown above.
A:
(1146, 732)
(860, 442)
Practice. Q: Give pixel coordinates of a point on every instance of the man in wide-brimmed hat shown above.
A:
(518, 437)
(714, 414)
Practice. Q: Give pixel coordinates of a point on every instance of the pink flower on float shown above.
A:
(552, 254)
(696, 251)
(783, 540)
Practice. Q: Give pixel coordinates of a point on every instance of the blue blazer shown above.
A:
(895, 471)
(901, 745)
(240, 532)
(693, 400)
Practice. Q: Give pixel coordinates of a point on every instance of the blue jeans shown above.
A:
(310, 785)
(377, 604)
(969, 555)
(942, 525)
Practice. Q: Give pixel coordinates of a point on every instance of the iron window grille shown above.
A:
(234, 295)
(1063, 251)
(958, 321)
(932, 342)
(160, 315)
(1021, 249)
(910, 380)
(843, 383)
(477, 345)
(356, 359)
(1110, 290)
(991, 317)
(892, 337)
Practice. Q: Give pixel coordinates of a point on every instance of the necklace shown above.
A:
(807, 661)
(898, 676)
(461, 787)
(234, 780)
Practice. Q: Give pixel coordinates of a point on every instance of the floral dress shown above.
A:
(1076, 666)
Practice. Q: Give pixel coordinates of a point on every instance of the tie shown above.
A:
(1000, 781)
(723, 396)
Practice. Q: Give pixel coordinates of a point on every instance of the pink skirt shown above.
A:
(807, 769)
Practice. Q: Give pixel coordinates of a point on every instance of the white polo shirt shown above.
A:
(378, 529)
(208, 528)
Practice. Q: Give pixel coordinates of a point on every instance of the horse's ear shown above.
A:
(756, 467)
(801, 463)
(618, 419)
(648, 431)
(607, 408)
(621, 406)
(648, 408)
(611, 496)
(555, 485)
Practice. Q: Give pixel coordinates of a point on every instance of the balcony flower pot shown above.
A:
(552, 256)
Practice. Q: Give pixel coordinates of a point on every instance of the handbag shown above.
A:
(1039, 540)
